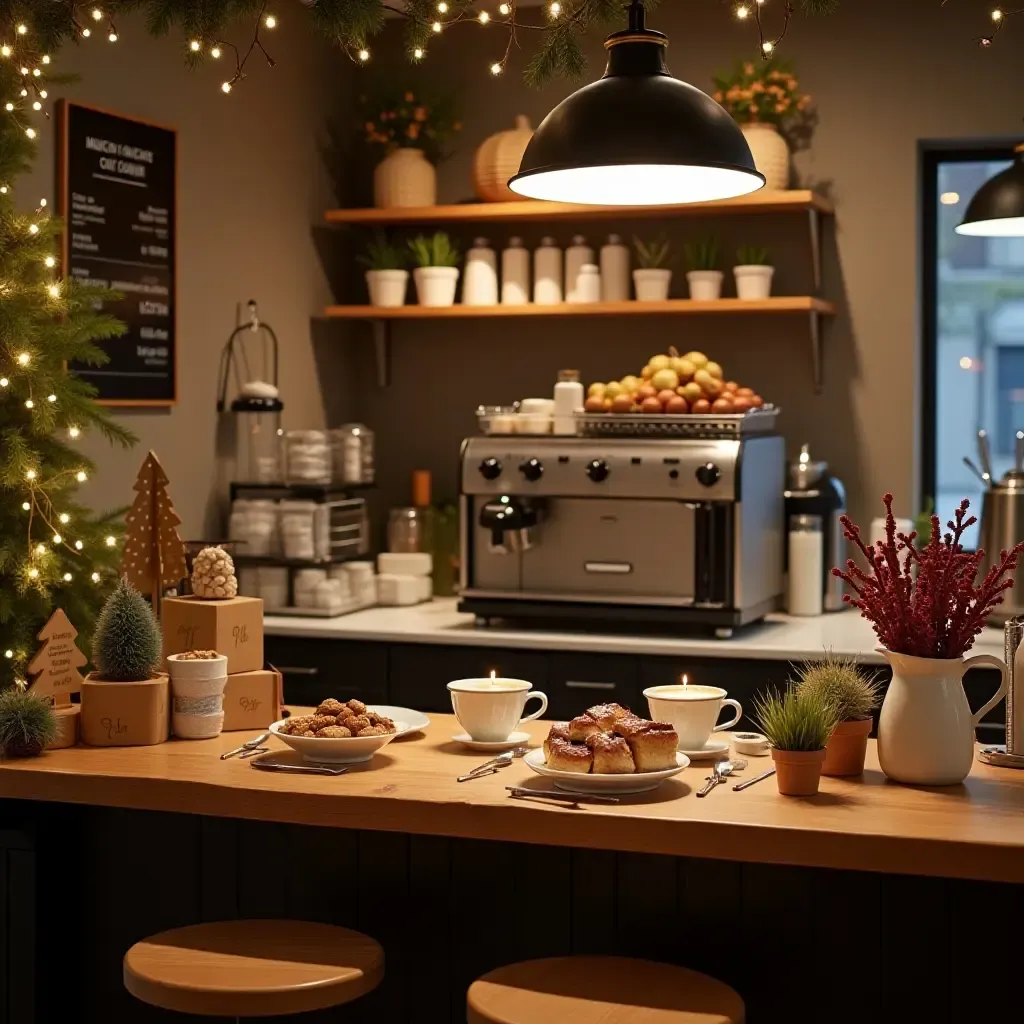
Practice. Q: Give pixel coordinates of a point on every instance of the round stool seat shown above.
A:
(253, 968)
(609, 989)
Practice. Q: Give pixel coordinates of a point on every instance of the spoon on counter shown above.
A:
(719, 773)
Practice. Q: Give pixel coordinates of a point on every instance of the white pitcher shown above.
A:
(926, 729)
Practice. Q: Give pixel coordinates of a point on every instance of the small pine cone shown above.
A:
(334, 732)
(330, 707)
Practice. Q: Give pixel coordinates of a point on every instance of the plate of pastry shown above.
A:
(608, 749)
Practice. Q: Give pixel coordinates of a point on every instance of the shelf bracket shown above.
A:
(815, 228)
(816, 367)
(382, 351)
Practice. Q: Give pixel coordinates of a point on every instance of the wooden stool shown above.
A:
(609, 989)
(253, 968)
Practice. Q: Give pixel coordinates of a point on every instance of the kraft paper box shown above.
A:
(233, 627)
(252, 700)
(125, 714)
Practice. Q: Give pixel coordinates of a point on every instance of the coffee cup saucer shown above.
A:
(713, 750)
(515, 739)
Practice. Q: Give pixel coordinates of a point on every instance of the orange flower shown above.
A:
(370, 126)
(419, 114)
(748, 68)
(759, 87)
(803, 103)
(717, 96)
(412, 131)
(408, 97)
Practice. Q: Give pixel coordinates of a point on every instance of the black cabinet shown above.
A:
(578, 681)
(313, 670)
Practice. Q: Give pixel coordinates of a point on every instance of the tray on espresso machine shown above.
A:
(662, 425)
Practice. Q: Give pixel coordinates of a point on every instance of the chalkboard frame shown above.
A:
(63, 190)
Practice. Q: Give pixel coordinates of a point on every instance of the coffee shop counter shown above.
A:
(102, 846)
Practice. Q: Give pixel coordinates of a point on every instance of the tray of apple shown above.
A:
(675, 395)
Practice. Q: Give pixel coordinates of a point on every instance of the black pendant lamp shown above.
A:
(997, 208)
(637, 137)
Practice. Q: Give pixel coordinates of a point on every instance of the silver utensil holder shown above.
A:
(1014, 633)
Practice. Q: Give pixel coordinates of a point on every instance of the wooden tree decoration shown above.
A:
(58, 661)
(154, 555)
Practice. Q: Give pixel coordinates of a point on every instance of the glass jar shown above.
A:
(307, 457)
(352, 448)
(257, 440)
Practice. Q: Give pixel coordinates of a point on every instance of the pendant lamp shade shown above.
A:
(637, 137)
(997, 208)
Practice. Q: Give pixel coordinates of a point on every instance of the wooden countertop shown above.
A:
(971, 831)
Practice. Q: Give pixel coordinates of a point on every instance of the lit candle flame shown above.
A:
(494, 674)
(685, 680)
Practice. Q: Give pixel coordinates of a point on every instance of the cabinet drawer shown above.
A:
(313, 670)
(579, 681)
(420, 673)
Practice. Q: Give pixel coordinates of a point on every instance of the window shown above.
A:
(973, 328)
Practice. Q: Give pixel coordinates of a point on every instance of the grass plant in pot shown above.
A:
(386, 276)
(753, 273)
(652, 278)
(437, 269)
(125, 701)
(27, 723)
(853, 696)
(926, 605)
(797, 727)
(198, 679)
(703, 275)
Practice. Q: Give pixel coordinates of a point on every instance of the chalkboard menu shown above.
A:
(116, 187)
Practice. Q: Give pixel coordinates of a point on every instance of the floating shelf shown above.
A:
(670, 307)
(539, 211)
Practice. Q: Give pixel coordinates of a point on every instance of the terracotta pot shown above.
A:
(846, 748)
(798, 771)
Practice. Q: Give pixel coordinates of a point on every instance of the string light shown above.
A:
(36, 72)
(112, 37)
(29, 404)
(37, 105)
(436, 26)
(31, 133)
(30, 475)
(57, 538)
(81, 476)
(73, 432)
(67, 577)
(23, 93)
(225, 87)
(64, 517)
(46, 60)
(767, 46)
(49, 262)
(95, 577)
(742, 13)
(270, 21)
(4, 382)
(24, 71)
(195, 46)
(215, 52)
(555, 9)
(496, 68)
(24, 359)
(503, 9)
(42, 92)
(51, 398)
(8, 653)
(417, 54)
(40, 549)
(26, 506)
(79, 545)
(54, 290)
(5, 51)
(86, 33)
(97, 14)
(997, 15)
(484, 17)
(8, 107)
(33, 573)
(442, 7)
(33, 229)
(22, 30)
(111, 541)
(364, 55)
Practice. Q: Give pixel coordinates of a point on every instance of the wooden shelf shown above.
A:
(540, 211)
(670, 307)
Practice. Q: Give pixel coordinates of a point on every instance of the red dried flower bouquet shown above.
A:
(938, 614)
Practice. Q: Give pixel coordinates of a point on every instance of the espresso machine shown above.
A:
(811, 490)
(677, 528)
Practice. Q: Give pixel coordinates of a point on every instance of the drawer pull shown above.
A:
(579, 684)
(298, 670)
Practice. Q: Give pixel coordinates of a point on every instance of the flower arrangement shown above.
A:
(938, 614)
(766, 93)
(405, 121)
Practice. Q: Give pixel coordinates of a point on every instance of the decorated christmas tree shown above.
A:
(54, 553)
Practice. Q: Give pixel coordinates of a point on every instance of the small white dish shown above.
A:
(414, 721)
(515, 739)
(713, 749)
(573, 782)
(753, 744)
(343, 750)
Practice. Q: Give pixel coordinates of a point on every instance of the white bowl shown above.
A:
(343, 750)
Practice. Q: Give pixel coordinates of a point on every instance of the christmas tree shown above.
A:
(54, 553)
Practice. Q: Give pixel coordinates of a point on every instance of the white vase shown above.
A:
(926, 729)
(197, 696)
(652, 284)
(387, 287)
(705, 285)
(435, 286)
(753, 281)
(405, 177)
(497, 159)
(770, 152)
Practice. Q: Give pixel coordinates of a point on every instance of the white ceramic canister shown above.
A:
(435, 286)
(197, 695)
(577, 256)
(515, 274)
(480, 277)
(547, 273)
(569, 398)
(614, 270)
(588, 284)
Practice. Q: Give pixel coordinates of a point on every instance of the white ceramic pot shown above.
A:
(497, 159)
(435, 286)
(652, 284)
(387, 287)
(197, 727)
(705, 285)
(197, 696)
(753, 281)
(770, 153)
(405, 177)
(926, 729)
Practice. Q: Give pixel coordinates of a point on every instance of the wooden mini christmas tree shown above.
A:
(58, 661)
(154, 555)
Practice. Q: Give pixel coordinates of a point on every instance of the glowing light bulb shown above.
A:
(23, 93)
(54, 291)
(442, 7)
(742, 12)
(22, 30)
(24, 70)
(8, 653)
(436, 26)
(81, 476)
(73, 431)
(40, 549)
(42, 202)
(484, 17)
(215, 52)
(97, 14)
(36, 72)
(195, 46)
(503, 9)
(4, 382)
(5, 51)
(50, 262)
(86, 33)
(42, 92)
(79, 545)
(767, 46)
(111, 541)
(496, 68)
(417, 54)
(33, 573)
(555, 9)
(997, 15)
(225, 87)
(67, 577)
(24, 359)
(26, 506)
(8, 107)
(112, 37)
(64, 517)
(45, 58)
(57, 538)
(364, 55)
(966, 362)
(270, 21)
(37, 105)
(30, 475)
(29, 404)
(95, 577)
(31, 133)
(33, 229)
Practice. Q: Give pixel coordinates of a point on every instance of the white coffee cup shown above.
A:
(692, 711)
(491, 709)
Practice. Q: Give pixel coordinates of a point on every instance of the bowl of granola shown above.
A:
(338, 732)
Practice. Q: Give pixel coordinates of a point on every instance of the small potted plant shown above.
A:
(797, 727)
(437, 269)
(753, 273)
(198, 679)
(653, 277)
(27, 723)
(853, 696)
(125, 701)
(386, 276)
(703, 275)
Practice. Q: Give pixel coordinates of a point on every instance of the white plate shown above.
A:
(712, 749)
(573, 782)
(516, 739)
(343, 750)
(414, 721)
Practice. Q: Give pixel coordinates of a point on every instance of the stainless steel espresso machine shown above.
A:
(679, 529)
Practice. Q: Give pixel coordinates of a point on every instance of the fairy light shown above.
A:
(40, 549)
(5, 51)
(767, 46)
(33, 229)
(8, 107)
(496, 68)
(26, 506)
(29, 404)
(49, 262)
(215, 52)
(51, 398)
(364, 55)
(436, 26)
(24, 70)
(8, 653)
(555, 9)
(33, 573)
(442, 7)
(79, 545)
(742, 13)
(64, 517)
(81, 476)
(54, 290)
(42, 92)
(417, 54)
(46, 60)
(484, 17)
(112, 37)
(31, 133)
(270, 21)
(73, 432)
(503, 9)
(36, 72)
(97, 14)
(22, 30)
(24, 359)
(37, 105)
(4, 382)
(57, 538)
(23, 93)
(225, 87)
(195, 46)
(95, 577)
(111, 541)
(997, 15)
(67, 577)
(30, 475)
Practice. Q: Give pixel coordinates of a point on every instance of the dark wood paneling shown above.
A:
(329, 668)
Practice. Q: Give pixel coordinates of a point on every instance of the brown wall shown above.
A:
(251, 184)
(884, 76)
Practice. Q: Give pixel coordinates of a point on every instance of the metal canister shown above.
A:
(1011, 755)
